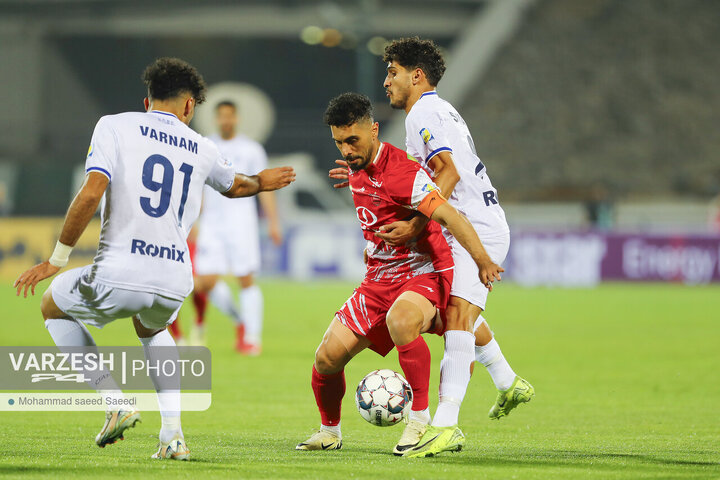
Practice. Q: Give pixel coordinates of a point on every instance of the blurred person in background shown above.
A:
(227, 240)
(599, 208)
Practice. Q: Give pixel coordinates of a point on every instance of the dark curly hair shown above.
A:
(348, 109)
(414, 52)
(169, 77)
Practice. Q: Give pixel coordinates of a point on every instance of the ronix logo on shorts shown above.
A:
(143, 248)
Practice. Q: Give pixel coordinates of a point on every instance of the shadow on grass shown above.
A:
(533, 458)
(571, 458)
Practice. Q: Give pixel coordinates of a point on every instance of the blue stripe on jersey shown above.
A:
(164, 113)
(101, 170)
(428, 93)
(436, 151)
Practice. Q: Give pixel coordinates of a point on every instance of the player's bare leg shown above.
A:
(410, 315)
(251, 305)
(203, 285)
(68, 332)
(512, 389)
(172, 442)
(338, 346)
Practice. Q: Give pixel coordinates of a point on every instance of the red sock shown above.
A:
(329, 391)
(174, 328)
(200, 301)
(415, 362)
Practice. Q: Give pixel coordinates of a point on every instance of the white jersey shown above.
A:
(157, 168)
(433, 126)
(234, 215)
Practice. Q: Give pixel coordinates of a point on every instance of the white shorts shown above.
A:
(77, 294)
(466, 282)
(222, 253)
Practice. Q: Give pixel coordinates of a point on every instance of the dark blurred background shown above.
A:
(593, 115)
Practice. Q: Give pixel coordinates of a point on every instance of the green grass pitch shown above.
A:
(627, 380)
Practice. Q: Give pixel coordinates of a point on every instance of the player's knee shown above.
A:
(48, 307)
(45, 304)
(246, 281)
(325, 363)
(403, 320)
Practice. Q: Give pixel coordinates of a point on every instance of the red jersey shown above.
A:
(387, 191)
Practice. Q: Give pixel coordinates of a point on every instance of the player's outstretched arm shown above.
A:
(463, 231)
(266, 181)
(78, 216)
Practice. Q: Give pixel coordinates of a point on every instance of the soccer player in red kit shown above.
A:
(404, 285)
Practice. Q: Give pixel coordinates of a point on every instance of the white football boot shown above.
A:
(176, 449)
(116, 422)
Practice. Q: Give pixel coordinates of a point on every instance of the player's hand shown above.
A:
(275, 234)
(399, 233)
(36, 274)
(275, 178)
(365, 256)
(340, 174)
(489, 272)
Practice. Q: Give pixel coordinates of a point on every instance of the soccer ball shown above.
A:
(383, 398)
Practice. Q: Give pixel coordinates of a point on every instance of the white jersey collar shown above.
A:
(378, 154)
(164, 113)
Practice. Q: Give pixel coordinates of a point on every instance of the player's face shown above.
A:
(226, 118)
(356, 143)
(397, 85)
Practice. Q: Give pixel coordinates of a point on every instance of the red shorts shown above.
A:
(364, 312)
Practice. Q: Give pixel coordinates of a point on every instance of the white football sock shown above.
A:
(334, 429)
(170, 427)
(68, 332)
(168, 398)
(493, 359)
(221, 297)
(422, 416)
(454, 376)
(251, 304)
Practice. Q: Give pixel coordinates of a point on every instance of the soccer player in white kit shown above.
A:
(228, 236)
(151, 168)
(438, 137)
